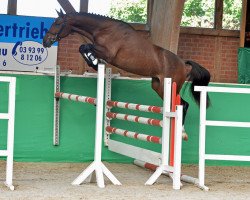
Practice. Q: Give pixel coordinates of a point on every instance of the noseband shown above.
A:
(57, 35)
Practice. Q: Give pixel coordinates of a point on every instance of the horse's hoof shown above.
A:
(184, 136)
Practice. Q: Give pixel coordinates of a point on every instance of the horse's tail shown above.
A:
(199, 76)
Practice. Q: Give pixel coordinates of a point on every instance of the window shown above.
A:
(231, 14)
(101, 7)
(3, 7)
(126, 10)
(198, 13)
(43, 8)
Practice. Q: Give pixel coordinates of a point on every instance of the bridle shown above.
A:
(57, 35)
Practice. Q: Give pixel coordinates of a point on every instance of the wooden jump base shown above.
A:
(10, 116)
(161, 159)
(203, 156)
(97, 164)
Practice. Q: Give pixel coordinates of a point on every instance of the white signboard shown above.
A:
(21, 46)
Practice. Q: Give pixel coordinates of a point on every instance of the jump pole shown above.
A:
(10, 116)
(97, 166)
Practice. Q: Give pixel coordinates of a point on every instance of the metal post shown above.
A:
(107, 98)
(202, 138)
(56, 106)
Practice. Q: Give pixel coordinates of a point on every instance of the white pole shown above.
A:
(97, 164)
(202, 138)
(9, 152)
(177, 148)
(99, 112)
(166, 121)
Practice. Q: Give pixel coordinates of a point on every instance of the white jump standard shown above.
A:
(160, 159)
(10, 116)
(96, 166)
(203, 156)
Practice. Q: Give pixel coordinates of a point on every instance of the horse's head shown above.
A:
(59, 29)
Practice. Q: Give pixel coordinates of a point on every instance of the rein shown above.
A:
(57, 35)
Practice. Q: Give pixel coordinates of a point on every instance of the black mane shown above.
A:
(100, 17)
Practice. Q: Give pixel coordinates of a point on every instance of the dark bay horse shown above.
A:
(120, 45)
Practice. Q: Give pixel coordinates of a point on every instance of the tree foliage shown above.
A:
(197, 13)
(200, 13)
(129, 10)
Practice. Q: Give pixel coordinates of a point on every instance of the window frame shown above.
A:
(216, 31)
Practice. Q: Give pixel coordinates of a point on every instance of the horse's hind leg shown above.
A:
(87, 52)
(157, 86)
(185, 109)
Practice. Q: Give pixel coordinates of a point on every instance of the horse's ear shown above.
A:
(60, 14)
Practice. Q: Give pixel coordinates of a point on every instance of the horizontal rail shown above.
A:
(227, 157)
(135, 135)
(73, 97)
(227, 123)
(222, 89)
(135, 152)
(133, 118)
(4, 116)
(131, 106)
(4, 153)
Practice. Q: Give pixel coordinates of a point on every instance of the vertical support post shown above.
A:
(166, 121)
(173, 122)
(10, 116)
(56, 106)
(165, 133)
(99, 112)
(97, 164)
(107, 98)
(202, 138)
(177, 148)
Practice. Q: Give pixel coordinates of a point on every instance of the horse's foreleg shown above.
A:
(88, 53)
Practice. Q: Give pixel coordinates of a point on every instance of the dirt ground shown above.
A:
(53, 181)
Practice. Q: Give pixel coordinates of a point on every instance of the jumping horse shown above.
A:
(120, 45)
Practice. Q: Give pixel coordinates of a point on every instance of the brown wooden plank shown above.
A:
(66, 5)
(218, 14)
(179, 6)
(12, 7)
(165, 24)
(243, 23)
(84, 5)
(210, 31)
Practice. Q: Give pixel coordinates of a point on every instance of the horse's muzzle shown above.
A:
(47, 44)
